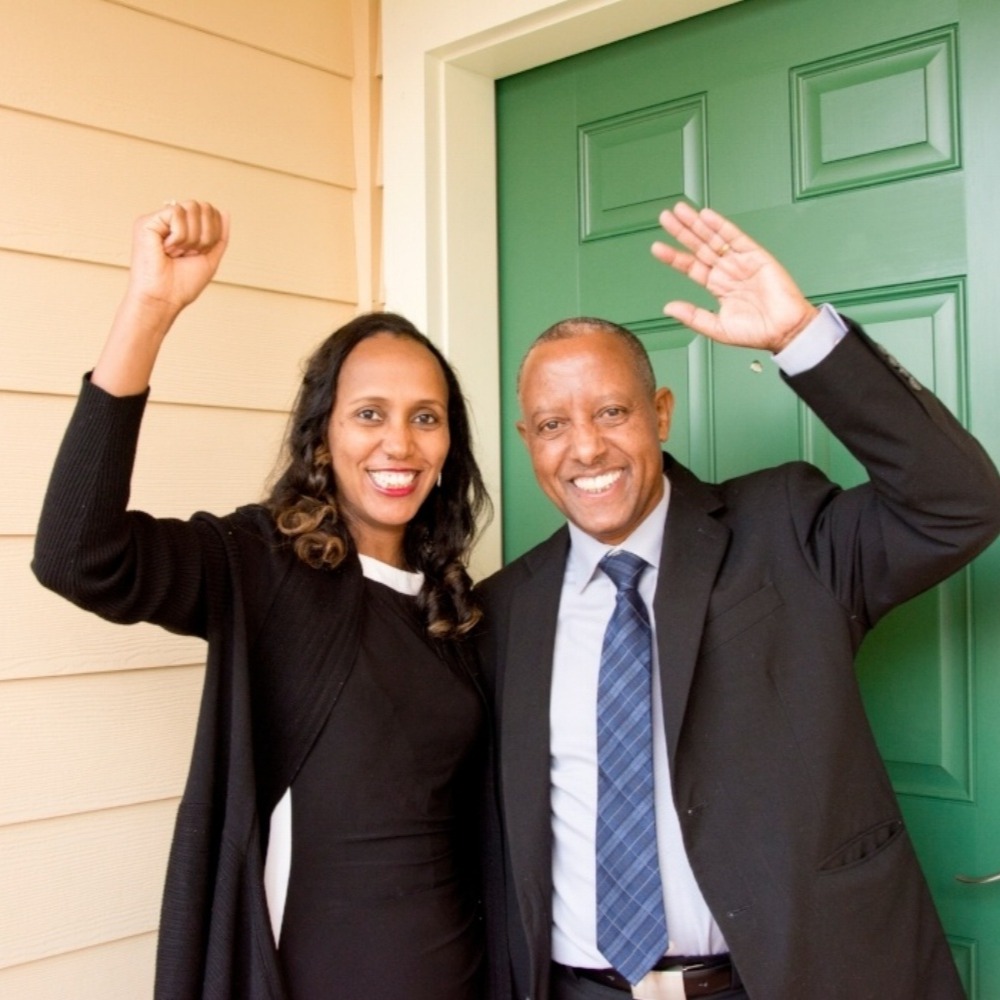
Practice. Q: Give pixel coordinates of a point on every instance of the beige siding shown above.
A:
(51, 772)
(122, 968)
(109, 109)
(82, 880)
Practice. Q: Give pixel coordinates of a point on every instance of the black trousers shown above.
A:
(564, 985)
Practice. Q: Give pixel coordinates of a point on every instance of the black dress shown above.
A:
(380, 903)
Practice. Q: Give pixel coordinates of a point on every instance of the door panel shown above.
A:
(858, 141)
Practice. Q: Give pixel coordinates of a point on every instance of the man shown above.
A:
(772, 861)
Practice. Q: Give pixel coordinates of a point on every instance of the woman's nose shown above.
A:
(397, 441)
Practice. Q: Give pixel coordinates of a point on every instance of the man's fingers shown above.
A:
(708, 235)
(685, 263)
(672, 256)
(700, 320)
(685, 226)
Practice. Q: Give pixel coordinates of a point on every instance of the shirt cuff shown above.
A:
(814, 343)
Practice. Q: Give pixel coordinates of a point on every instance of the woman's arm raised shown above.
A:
(175, 253)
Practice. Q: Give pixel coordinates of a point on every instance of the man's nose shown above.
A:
(587, 443)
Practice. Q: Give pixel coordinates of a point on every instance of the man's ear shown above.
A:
(663, 402)
(522, 430)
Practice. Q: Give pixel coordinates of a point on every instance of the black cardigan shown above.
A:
(281, 641)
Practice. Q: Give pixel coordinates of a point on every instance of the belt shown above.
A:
(688, 977)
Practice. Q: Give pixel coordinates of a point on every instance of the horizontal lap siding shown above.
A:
(175, 84)
(83, 880)
(45, 636)
(57, 761)
(112, 971)
(190, 457)
(240, 347)
(290, 234)
(108, 109)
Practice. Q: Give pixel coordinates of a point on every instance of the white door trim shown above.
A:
(440, 58)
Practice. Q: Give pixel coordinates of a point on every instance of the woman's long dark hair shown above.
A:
(438, 540)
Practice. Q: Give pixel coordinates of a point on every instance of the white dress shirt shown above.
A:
(586, 602)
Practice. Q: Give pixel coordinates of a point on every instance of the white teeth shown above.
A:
(597, 484)
(392, 480)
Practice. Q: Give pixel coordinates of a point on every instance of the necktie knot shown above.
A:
(624, 569)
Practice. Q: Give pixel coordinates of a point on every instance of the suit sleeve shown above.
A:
(123, 565)
(932, 502)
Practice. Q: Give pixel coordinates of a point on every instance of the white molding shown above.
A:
(440, 227)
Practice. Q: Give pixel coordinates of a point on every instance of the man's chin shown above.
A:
(608, 530)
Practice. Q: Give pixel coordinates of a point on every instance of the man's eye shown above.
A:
(614, 414)
(549, 427)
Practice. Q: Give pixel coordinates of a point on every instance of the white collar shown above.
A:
(646, 541)
(401, 580)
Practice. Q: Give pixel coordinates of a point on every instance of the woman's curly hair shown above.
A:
(437, 542)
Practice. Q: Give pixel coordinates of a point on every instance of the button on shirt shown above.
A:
(585, 607)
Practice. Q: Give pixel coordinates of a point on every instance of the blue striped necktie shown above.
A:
(631, 923)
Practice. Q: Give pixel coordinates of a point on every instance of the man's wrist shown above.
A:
(813, 343)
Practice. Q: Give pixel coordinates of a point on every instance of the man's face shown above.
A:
(593, 431)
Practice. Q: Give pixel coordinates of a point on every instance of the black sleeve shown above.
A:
(123, 565)
(933, 499)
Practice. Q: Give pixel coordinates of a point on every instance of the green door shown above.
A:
(859, 141)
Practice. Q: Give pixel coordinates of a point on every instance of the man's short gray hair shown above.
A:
(579, 326)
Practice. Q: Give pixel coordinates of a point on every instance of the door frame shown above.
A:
(439, 235)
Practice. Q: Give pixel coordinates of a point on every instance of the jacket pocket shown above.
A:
(863, 847)
(737, 619)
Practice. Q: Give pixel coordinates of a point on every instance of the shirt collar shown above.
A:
(401, 580)
(585, 551)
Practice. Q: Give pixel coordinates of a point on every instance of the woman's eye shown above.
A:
(427, 419)
(368, 414)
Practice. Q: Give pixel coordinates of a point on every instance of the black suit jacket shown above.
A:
(767, 586)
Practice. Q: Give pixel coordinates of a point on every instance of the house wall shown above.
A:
(107, 110)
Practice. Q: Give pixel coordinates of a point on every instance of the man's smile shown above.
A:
(600, 483)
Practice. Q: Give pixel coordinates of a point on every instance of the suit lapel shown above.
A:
(694, 544)
(524, 733)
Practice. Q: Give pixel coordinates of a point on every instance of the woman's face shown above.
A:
(388, 439)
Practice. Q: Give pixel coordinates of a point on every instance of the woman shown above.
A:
(325, 839)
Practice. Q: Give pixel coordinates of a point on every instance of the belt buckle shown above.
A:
(660, 984)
